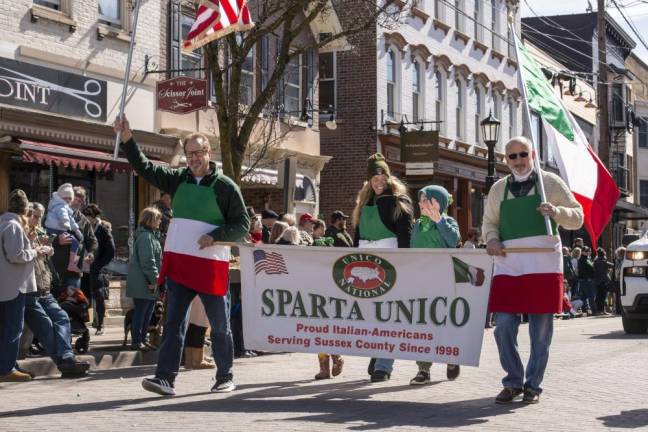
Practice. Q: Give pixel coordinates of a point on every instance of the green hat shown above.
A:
(18, 202)
(376, 165)
(440, 194)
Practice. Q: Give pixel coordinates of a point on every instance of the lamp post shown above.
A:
(490, 133)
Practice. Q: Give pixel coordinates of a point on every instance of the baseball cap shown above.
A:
(338, 214)
(306, 217)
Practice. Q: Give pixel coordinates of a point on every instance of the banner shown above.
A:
(414, 304)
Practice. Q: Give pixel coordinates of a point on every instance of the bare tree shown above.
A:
(288, 21)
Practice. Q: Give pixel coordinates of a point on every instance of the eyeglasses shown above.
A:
(514, 156)
(199, 153)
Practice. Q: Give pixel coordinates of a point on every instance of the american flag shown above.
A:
(271, 263)
(215, 19)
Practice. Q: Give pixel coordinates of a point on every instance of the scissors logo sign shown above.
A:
(36, 87)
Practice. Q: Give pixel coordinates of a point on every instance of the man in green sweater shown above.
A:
(208, 208)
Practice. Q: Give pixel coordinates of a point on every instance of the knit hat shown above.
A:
(377, 165)
(65, 191)
(440, 194)
(18, 202)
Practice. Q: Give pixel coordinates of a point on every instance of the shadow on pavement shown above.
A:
(620, 334)
(627, 419)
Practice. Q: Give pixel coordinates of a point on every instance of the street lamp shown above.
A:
(490, 133)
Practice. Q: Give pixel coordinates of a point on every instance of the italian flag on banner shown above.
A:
(580, 167)
(466, 273)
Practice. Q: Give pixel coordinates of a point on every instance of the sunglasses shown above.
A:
(514, 156)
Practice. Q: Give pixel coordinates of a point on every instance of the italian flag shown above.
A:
(203, 270)
(466, 273)
(580, 167)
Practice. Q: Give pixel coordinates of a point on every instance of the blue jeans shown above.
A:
(217, 310)
(385, 365)
(540, 333)
(50, 325)
(588, 293)
(11, 326)
(141, 319)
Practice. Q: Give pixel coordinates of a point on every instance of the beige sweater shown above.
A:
(569, 213)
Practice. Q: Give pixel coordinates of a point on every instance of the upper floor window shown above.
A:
(460, 109)
(109, 12)
(392, 85)
(497, 112)
(327, 75)
(643, 193)
(439, 101)
(293, 86)
(417, 95)
(618, 103)
(479, 112)
(512, 120)
(459, 18)
(477, 19)
(495, 42)
(247, 79)
(53, 4)
(439, 10)
(643, 132)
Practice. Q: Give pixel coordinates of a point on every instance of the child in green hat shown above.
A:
(434, 229)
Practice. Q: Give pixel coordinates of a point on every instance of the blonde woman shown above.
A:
(383, 218)
(277, 230)
(290, 236)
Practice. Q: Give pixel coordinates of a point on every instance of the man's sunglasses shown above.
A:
(514, 156)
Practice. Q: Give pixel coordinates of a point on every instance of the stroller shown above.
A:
(76, 304)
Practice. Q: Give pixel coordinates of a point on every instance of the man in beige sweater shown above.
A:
(526, 283)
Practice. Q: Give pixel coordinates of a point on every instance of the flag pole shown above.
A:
(527, 112)
(122, 104)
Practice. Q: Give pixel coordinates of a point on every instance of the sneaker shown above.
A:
(452, 372)
(223, 386)
(15, 376)
(99, 332)
(421, 378)
(380, 376)
(73, 368)
(507, 395)
(159, 386)
(370, 367)
(530, 397)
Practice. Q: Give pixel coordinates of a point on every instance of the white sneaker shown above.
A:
(223, 386)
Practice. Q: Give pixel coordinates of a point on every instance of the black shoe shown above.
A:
(73, 368)
(223, 386)
(370, 368)
(530, 397)
(159, 386)
(380, 376)
(99, 332)
(452, 372)
(507, 395)
(421, 378)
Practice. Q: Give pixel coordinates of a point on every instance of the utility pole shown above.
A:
(603, 105)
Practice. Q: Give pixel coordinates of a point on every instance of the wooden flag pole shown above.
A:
(122, 104)
(527, 111)
(528, 250)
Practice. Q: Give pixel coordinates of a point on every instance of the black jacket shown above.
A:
(341, 238)
(401, 226)
(105, 249)
(62, 252)
(585, 268)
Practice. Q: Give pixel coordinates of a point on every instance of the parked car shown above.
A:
(634, 287)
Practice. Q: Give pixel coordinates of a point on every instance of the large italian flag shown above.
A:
(580, 167)
(203, 270)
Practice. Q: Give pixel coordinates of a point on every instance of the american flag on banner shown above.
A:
(215, 19)
(271, 263)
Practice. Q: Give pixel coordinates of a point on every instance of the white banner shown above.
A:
(415, 304)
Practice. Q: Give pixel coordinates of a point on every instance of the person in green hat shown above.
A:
(383, 218)
(434, 229)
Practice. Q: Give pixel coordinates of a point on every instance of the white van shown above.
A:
(634, 287)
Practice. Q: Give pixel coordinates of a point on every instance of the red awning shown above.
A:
(72, 157)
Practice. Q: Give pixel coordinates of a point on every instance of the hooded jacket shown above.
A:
(16, 259)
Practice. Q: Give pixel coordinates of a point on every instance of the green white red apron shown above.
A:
(373, 232)
(526, 282)
(195, 213)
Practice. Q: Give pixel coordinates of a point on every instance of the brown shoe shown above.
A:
(15, 376)
(325, 367)
(507, 395)
(530, 397)
(338, 363)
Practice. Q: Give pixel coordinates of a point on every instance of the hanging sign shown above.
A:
(181, 95)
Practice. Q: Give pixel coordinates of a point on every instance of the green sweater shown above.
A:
(443, 234)
(228, 195)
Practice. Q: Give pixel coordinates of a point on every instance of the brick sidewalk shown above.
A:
(597, 379)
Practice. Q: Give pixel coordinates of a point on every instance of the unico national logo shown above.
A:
(364, 275)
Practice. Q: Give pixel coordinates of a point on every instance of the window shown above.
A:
(439, 104)
(495, 24)
(52, 4)
(247, 79)
(460, 109)
(292, 86)
(439, 10)
(479, 113)
(180, 21)
(109, 12)
(618, 106)
(327, 73)
(643, 193)
(391, 82)
(264, 61)
(509, 38)
(497, 112)
(479, 31)
(192, 60)
(417, 98)
(459, 18)
(512, 119)
(643, 132)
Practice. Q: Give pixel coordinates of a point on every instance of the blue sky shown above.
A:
(635, 10)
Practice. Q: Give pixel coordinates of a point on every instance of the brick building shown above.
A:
(448, 62)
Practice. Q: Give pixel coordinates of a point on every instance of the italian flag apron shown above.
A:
(526, 282)
(195, 212)
(373, 232)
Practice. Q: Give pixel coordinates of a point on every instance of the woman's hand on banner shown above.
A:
(547, 209)
(495, 247)
(205, 240)
(122, 127)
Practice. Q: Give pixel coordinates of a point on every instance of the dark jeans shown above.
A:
(179, 299)
(50, 325)
(12, 314)
(601, 297)
(588, 294)
(141, 319)
(195, 337)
